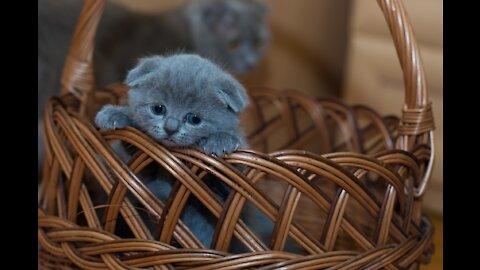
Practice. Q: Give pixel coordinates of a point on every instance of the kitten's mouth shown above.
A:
(169, 142)
(172, 142)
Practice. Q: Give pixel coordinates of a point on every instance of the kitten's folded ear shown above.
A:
(144, 66)
(233, 95)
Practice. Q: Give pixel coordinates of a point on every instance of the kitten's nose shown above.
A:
(169, 131)
(171, 126)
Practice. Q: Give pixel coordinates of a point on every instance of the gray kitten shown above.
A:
(182, 100)
(233, 33)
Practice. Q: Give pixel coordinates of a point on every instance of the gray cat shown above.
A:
(233, 33)
(182, 100)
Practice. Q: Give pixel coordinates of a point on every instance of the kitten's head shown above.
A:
(182, 98)
(234, 33)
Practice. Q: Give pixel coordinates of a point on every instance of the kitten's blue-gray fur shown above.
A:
(182, 85)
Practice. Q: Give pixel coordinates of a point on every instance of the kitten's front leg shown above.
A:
(113, 117)
(221, 143)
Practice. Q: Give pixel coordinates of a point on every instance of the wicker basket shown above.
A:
(354, 204)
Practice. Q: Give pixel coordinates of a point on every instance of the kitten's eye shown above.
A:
(234, 44)
(192, 119)
(158, 109)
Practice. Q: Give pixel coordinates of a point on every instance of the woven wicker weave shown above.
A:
(353, 201)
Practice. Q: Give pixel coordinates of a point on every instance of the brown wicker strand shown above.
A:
(285, 217)
(417, 121)
(416, 94)
(77, 77)
(335, 215)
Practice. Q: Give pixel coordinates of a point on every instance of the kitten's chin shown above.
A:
(172, 143)
(168, 142)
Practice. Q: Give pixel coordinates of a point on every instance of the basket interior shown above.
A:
(334, 189)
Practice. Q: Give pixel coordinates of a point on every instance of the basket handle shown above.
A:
(416, 122)
(78, 78)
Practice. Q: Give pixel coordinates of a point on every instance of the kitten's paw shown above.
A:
(220, 144)
(112, 117)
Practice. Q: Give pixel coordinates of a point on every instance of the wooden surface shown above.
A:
(437, 258)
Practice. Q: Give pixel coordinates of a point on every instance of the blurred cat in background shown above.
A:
(232, 33)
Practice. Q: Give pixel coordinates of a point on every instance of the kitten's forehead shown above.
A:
(197, 90)
(180, 102)
(185, 79)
